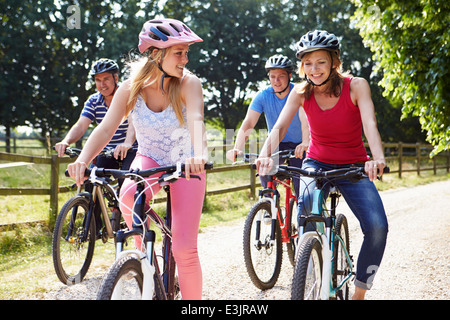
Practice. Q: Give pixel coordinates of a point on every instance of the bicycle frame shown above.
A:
(325, 233)
(95, 196)
(276, 214)
(150, 266)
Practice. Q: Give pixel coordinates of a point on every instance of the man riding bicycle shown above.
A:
(105, 73)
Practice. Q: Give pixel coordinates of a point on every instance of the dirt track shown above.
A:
(416, 263)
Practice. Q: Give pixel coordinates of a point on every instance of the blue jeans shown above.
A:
(364, 200)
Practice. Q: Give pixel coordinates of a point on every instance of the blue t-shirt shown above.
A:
(266, 101)
(95, 110)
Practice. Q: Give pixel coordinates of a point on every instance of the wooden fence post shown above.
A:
(252, 181)
(400, 156)
(54, 188)
(448, 161)
(418, 157)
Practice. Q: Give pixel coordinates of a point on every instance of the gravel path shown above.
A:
(416, 264)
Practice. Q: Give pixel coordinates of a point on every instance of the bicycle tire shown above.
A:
(71, 258)
(341, 267)
(307, 279)
(263, 264)
(127, 269)
(291, 231)
(170, 272)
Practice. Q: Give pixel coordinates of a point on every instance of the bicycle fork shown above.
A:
(326, 238)
(323, 234)
(147, 260)
(259, 218)
(149, 265)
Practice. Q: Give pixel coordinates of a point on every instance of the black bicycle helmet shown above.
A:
(104, 65)
(279, 61)
(317, 40)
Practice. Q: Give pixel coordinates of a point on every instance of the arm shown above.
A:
(303, 147)
(264, 162)
(360, 91)
(122, 149)
(244, 132)
(102, 134)
(192, 94)
(75, 133)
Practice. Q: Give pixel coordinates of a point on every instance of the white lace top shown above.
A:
(159, 134)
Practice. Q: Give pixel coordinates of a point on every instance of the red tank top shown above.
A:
(336, 134)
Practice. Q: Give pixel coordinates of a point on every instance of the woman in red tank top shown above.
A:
(338, 109)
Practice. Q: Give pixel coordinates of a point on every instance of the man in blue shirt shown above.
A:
(271, 101)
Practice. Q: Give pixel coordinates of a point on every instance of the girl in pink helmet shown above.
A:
(165, 103)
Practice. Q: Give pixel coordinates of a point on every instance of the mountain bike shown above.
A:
(136, 274)
(323, 262)
(268, 225)
(75, 230)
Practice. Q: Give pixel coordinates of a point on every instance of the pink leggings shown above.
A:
(187, 203)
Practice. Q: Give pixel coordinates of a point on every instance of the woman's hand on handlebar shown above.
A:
(300, 150)
(76, 171)
(194, 165)
(374, 168)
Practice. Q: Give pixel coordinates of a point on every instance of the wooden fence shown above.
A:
(399, 152)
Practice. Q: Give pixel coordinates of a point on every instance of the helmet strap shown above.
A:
(288, 85)
(164, 75)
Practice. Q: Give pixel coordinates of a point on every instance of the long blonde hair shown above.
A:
(336, 77)
(144, 71)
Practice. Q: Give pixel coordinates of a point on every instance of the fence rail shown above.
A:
(393, 151)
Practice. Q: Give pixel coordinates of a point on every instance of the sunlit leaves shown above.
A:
(411, 43)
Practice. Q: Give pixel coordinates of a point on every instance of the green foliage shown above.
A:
(44, 60)
(231, 58)
(411, 44)
(46, 51)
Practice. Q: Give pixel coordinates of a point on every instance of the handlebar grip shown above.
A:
(86, 173)
(208, 165)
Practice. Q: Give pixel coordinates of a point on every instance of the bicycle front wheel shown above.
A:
(291, 222)
(72, 250)
(307, 279)
(124, 281)
(262, 257)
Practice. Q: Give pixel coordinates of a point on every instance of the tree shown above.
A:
(240, 35)
(231, 59)
(46, 51)
(411, 44)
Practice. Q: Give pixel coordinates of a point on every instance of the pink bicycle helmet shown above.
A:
(164, 33)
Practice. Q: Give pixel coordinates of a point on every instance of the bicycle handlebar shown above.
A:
(75, 152)
(116, 173)
(283, 155)
(350, 172)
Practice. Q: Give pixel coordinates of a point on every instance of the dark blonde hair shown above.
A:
(144, 72)
(336, 77)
